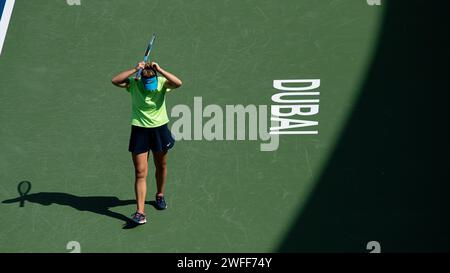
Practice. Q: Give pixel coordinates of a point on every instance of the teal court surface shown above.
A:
(354, 93)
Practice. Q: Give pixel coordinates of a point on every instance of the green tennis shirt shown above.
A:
(148, 108)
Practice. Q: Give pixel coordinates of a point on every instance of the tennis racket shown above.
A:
(146, 55)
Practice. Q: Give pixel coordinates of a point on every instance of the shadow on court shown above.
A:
(387, 179)
(95, 204)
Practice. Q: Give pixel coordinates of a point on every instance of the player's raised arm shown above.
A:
(172, 80)
(121, 79)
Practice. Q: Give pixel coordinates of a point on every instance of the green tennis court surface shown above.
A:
(372, 171)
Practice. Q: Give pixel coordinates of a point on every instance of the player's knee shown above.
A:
(161, 166)
(141, 171)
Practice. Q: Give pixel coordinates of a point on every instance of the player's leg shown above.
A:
(140, 185)
(160, 161)
(139, 147)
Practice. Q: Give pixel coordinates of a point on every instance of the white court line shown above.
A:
(4, 21)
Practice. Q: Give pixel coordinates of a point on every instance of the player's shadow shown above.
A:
(96, 204)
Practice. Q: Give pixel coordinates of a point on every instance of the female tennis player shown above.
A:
(149, 129)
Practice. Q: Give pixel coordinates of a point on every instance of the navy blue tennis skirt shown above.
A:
(157, 139)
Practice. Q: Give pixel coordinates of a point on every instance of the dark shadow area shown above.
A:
(153, 203)
(96, 204)
(387, 179)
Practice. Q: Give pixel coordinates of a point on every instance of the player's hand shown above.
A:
(140, 65)
(156, 66)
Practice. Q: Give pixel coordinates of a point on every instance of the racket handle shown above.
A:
(138, 74)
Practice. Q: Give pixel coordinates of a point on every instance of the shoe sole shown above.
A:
(140, 223)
